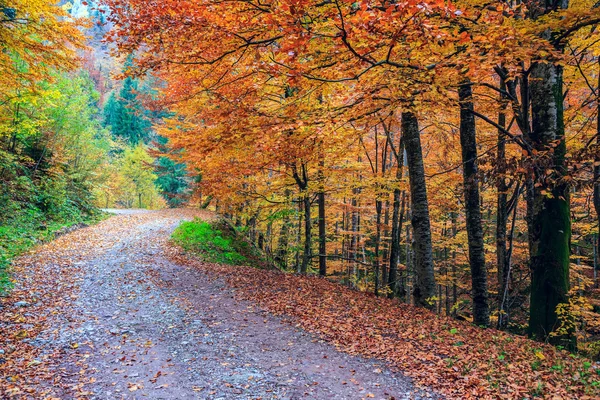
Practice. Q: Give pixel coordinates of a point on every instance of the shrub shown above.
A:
(209, 242)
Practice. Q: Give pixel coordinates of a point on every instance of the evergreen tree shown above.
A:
(126, 115)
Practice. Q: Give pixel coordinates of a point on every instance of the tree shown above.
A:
(137, 168)
(468, 142)
(549, 203)
(424, 290)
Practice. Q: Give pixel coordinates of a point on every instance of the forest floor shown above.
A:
(108, 312)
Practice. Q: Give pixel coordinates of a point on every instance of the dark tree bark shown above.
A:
(307, 255)
(301, 179)
(299, 236)
(454, 269)
(550, 224)
(501, 211)
(322, 223)
(387, 248)
(424, 285)
(282, 242)
(396, 224)
(322, 235)
(355, 229)
(468, 144)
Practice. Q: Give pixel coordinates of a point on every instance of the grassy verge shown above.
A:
(25, 231)
(216, 242)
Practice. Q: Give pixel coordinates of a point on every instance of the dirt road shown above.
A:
(128, 323)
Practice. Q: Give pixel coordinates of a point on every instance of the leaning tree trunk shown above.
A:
(550, 233)
(424, 283)
(468, 144)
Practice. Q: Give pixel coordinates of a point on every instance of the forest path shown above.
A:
(144, 327)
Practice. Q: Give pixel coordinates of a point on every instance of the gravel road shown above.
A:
(143, 327)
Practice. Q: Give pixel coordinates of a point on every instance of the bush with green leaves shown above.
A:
(206, 240)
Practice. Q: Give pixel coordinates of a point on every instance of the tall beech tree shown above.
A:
(550, 219)
(424, 290)
(468, 144)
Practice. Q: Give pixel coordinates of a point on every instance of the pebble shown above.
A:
(21, 304)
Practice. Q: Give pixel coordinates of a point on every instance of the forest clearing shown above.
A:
(299, 199)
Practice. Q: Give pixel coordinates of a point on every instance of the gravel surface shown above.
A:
(151, 329)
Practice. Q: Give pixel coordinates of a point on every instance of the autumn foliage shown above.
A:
(443, 154)
(355, 107)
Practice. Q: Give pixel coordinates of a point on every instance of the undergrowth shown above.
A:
(213, 242)
(28, 228)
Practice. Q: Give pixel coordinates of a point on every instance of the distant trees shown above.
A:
(138, 172)
(126, 116)
(130, 120)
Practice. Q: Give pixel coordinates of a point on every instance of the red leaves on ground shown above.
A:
(453, 357)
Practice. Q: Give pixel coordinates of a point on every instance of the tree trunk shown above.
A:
(387, 245)
(282, 242)
(354, 239)
(550, 226)
(322, 235)
(501, 212)
(454, 269)
(307, 255)
(424, 284)
(299, 235)
(302, 182)
(597, 175)
(378, 210)
(396, 224)
(468, 144)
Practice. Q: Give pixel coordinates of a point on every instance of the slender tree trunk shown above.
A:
(468, 144)
(322, 223)
(550, 210)
(283, 241)
(322, 235)
(387, 248)
(302, 180)
(597, 175)
(354, 238)
(501, 211)
(386, 222)
(454, 231)
(378, 210)
(396, 224)
(307, 255)
(407, 281)
(299, 236)
(424, 287)
(251, 225)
